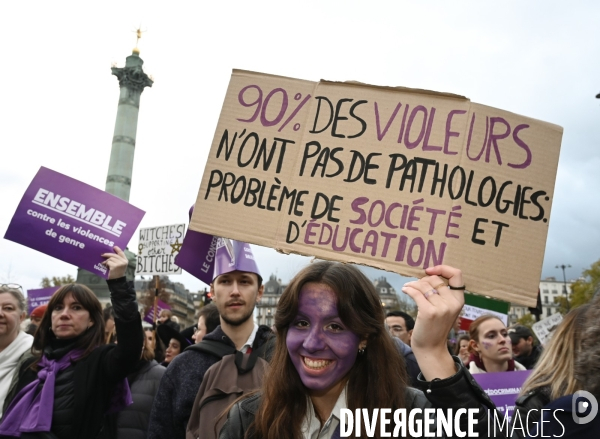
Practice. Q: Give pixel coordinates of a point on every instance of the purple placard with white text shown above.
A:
(197, 255)
(72, 221)
(39, 297)
(160, 305)
(503, 388)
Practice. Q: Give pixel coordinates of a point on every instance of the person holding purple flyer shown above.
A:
(74, 378)
(333, 353)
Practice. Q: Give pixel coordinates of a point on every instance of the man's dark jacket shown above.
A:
(530, 360)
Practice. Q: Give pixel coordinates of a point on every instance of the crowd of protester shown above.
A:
(80, 371)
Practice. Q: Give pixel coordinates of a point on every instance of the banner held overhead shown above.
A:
(390, 177)
(72, 221)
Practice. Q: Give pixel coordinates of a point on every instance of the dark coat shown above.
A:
(171, 324)
(412, 367)
(180, 383)
(132, 422)
(529, 361)
(96, 375)
(529, 404)
(559, 422)
(457, 391)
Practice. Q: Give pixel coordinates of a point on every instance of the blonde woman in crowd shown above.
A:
(554, 375)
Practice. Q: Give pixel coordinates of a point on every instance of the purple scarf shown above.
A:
(31, 411)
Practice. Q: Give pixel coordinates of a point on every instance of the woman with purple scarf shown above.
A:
(75, 379)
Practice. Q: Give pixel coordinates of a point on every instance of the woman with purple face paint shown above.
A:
(333, 352)
(490, 346)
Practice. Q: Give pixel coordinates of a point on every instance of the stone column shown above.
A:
(132, 81)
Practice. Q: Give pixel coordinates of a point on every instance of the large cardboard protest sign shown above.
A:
(394, 178)
(157, 249)
(72, 221)
(40, 296)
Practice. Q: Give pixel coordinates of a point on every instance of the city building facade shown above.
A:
(389, 298)
(550, 289)
(180, 299)
(266, 307)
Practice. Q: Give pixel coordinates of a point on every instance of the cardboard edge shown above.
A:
(242, 72)
(549, 125)
(520, 300)
(397, 89)
(351, 261)
(402, 89)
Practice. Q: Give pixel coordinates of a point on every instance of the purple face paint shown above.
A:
(495, 342)
(320, 345)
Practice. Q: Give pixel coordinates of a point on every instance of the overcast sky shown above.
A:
(58, 99)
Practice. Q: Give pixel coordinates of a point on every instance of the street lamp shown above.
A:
(565, 284)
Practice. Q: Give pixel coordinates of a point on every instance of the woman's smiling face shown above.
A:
(321, 347)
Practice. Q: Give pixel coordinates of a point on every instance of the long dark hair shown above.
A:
(378, 378)
(90, 339)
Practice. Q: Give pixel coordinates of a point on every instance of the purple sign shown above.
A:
(72, 221)
(39, 297)
(197, 255)
(234, 255)
(503, 388)
(207, 256)
(160, 305)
